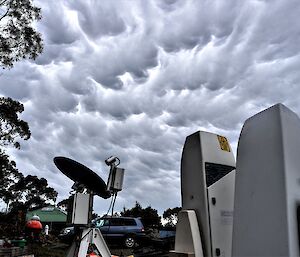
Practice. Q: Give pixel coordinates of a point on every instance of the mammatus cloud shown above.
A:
(134, 78)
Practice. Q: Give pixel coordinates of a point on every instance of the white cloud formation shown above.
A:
(134, 78)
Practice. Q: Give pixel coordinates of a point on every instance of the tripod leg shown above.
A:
(89, 236)
(72, 250)
(85, 242)
(98, 240)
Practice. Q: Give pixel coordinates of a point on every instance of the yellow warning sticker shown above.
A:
(224, 143)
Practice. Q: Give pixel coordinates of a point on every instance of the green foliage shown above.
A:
(18, 39)
(16, 190)
(171, 216)
(63, 204)
(11, 126)
(31, 191)
(21, 192)
(149, 216)
(8, 176)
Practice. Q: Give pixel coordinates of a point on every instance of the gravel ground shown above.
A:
(61, 250)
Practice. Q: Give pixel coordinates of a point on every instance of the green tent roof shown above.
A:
(48, 214)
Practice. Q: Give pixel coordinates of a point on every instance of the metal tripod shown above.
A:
(89, 237)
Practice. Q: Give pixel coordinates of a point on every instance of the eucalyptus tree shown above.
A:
(18, 37)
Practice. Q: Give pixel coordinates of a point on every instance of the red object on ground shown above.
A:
(93, 255)
(34, 224)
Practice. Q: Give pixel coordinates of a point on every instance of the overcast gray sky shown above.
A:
(134, 78)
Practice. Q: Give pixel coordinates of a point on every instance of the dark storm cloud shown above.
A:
(60, 27)
(134, 78)
(98, 18)
(169, 5)
(119, 60)
(196, 23)
(19, 83)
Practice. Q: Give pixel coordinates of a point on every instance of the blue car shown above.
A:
(122, 230)
(127, 229)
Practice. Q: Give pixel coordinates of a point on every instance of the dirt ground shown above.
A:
(51, 247)
(61, 250)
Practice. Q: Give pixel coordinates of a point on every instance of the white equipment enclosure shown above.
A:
(80, 209)
(253, 211)
(115, 179)
(267, 197)
(207, 188)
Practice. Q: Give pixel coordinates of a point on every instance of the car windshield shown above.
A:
(100, 223)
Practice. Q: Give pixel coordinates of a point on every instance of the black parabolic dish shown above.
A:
(82, 174)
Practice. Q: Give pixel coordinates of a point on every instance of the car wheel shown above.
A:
(129, 242)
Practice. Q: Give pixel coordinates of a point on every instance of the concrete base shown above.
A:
(176, 254)
(188, 239)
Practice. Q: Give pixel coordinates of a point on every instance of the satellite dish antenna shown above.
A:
(82, 175)
(87, 184)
